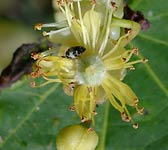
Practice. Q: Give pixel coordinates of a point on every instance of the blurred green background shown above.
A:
(17, 19)
(31, 118)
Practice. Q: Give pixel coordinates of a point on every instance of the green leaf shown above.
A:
(30, 118)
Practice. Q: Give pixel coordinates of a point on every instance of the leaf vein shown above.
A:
(28, 115)
(153, 39)
(155, 77)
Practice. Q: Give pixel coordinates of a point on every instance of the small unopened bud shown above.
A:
(76, 137)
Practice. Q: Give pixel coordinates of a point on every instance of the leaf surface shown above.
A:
(30, 118)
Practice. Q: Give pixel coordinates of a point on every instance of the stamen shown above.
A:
(52, 80)
(38, 26)
(117, 45)
(132, 68)
(135, 126)
(114, 5)
(107, 60)
(67, 13)
(83, 119)
(47, 53)
(59, 3)
(104, 25)
(94, 112)
(124, 59)
(145, 60)
(111, 98)
(129, 31)
(92, 102)
(55, 31)
(85, 34)
(136, 101)
(89, 89)
(72, 108)
(90, 129)
(48, 82)
(140, 111)
(125, 117)
(128, 118)
(71, 6)
(136, 61)
(128, 54)
(72, 85)
(104, 42)
(37, 73)
(93, 3)
(135, 51)
(35, 56)
(32, 84)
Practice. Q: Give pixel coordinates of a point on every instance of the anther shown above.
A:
(32, 84)
(45, 33)
(93, 2)
(141, 111)
(136, 101)
(59, 2)
(135, 126)
(35, 56)
(38, 26)
(36, 73)
(94, 112)
(33, 74)
(90, 129)
(129, 31)
(145, 60)
(72, 85)
(113, 4)
(135, 51)
(83, 119)
(132, 68)
(124, 59)
(72, 108)
(89, 89)
(126, 119)
(123, 115)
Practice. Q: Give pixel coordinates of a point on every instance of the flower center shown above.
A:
(91, 70)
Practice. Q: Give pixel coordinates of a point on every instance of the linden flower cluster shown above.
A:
(92, 60)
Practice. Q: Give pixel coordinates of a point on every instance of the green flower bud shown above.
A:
(76, 137)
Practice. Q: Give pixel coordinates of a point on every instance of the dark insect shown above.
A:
(74, 52)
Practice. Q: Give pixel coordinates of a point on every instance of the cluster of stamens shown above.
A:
(92, 70)
(125, 116)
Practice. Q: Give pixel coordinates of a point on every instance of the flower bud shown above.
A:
(76, 137)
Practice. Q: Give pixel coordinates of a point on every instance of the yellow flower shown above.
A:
(92, 60)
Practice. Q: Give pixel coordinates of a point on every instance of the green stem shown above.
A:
(102, 140)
